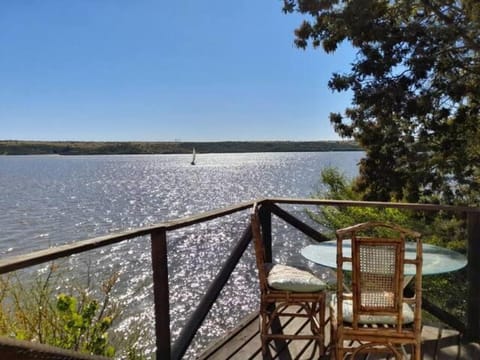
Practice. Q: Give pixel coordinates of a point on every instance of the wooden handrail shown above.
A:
(377, 204)
(26, 350)
(42, 256)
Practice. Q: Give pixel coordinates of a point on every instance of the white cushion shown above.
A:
(407, 312)
(288, 278)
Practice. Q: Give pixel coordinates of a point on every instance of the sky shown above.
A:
(156, 70)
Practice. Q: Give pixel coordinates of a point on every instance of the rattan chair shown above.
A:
(287, 292)
(370, 313)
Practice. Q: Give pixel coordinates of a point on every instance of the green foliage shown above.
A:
(80, 330)
(77, 321)
(416, 95)
(441, 229)
(336, 186)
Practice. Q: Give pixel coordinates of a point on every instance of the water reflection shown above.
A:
(54, 200)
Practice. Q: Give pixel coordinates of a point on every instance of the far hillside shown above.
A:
(13, 147)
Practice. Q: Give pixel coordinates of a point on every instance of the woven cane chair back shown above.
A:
(378, 277)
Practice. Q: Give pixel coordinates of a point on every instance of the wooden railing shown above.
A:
(159, 236)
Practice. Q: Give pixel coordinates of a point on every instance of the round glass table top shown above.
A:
(436, 260)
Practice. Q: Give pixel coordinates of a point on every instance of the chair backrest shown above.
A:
(259, 244)
(377, 259)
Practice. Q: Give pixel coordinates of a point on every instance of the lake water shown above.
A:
(52, 200)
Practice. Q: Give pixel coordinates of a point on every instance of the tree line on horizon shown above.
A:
(12, 147)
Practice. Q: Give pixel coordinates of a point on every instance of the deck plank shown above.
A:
(244, 343)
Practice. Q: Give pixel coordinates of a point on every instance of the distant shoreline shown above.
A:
(24, 147)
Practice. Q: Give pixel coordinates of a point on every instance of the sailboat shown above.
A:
(193, 157)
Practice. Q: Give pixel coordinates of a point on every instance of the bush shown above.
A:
(30, 310)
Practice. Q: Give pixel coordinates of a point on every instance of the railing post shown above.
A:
(265, 215)
(161, 294)
(473, 274)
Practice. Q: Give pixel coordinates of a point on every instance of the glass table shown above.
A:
(436, 260)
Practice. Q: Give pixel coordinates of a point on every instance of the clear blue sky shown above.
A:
(152, 70)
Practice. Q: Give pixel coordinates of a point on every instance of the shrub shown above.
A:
(30, 310)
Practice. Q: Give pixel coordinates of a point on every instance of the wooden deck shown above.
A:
(244, 343)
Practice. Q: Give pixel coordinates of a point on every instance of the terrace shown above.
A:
(454, 339)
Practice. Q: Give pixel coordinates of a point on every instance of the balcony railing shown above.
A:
(159, 236)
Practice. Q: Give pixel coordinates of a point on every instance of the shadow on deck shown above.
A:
(243, 343)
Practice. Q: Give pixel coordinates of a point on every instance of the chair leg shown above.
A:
(338, 352)
(264, 329)
(417, 349)
(269, 322)
(321, 324)
(316, 317)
